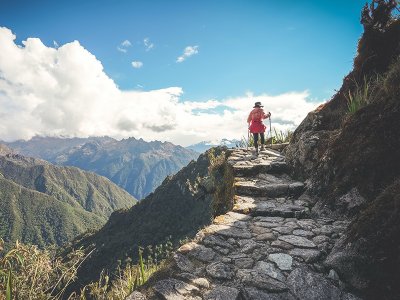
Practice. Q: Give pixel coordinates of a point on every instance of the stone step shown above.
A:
(266, 166)
(271, 207)
(260, 188)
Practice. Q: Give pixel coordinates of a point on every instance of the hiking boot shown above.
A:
(262, 148)
(257, 151)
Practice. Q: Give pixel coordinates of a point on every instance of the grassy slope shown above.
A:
(45, 204)
(33, 217)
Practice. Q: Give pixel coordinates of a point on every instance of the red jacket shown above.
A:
(255, 120)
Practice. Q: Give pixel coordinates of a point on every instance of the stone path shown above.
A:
(268, 247)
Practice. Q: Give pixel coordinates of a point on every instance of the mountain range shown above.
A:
(45, 204)
(133, 164)
(205, 145)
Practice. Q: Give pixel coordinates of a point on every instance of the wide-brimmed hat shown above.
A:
(257, 104)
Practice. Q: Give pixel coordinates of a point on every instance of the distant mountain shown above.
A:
(45, 204)
(133, 164)
(205, 145)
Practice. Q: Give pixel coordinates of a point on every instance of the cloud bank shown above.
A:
(65, 92)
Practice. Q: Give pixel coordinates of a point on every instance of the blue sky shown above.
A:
(179, 71)
(259, 46)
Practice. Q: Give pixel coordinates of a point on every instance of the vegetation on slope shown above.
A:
(177, 209)
(45, 204)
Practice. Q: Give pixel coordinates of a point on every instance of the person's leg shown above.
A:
(262, 140)
(255, 137)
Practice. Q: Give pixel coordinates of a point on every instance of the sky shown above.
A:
(182, 71)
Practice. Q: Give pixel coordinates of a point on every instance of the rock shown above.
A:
(304, 233)
(269, 269)
(307, 224)
(136, 296)
(214, 240)
(298, 241)
(283, 229)
(268, 283)
(282, 245)
(249, 247)
(260, 230)
(201, 283)
(255, 294)
(270, 219)
(183, 263)
(319, 239)
(307, 285)
(282, 260)
(199, 252)
(349, 296)
(228, 231)
(220, 270)
(333, 275)
(173, 289)
(221, 292)
(197, 281)
(266, 237)
(267, 224)
(308, 255)
(244, 263)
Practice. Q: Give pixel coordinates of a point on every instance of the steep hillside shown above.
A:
(351, 160)
(45, 204)
(177, 209)
(33, 217)
(135, 165)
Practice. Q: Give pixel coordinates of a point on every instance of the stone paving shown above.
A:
(268, 247)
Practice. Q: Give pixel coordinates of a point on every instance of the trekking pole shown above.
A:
(248, 139)
(270, 130)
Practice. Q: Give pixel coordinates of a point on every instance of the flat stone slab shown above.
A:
(256, 294)
(173, 289)
(308, 255)
(228, 231)
(183, 263)
(259, 280)
(311, 286)
(282, 260)
(136, 296)
(266, 268)
(298, 241)
(221, 292)
(220, 270)
(305, 233)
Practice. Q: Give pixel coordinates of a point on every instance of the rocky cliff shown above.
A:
(351, 162)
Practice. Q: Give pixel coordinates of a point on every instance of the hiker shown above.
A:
(256, 125)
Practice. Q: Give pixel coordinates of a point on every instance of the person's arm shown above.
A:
(265, 116)
(249, 118)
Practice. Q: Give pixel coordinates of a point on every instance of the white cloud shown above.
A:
(147, 44)
(65, 91)
(126, 43)
(188, 52)
(137, 64)
(123, 47)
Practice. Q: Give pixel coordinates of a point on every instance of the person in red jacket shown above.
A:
(256, 125)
